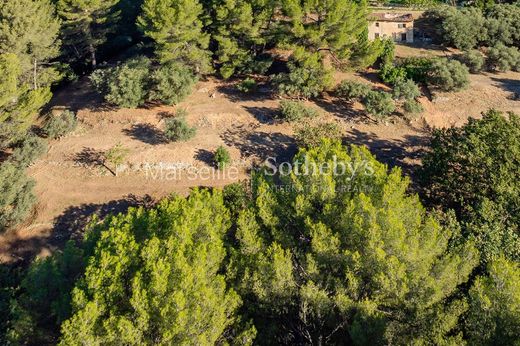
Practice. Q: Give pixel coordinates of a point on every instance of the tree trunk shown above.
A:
(93, 56)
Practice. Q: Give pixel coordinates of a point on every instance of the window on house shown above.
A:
(401, 25)
(403, 37)
(377, 35)
(377, 25)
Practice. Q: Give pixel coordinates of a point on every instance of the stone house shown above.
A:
(397, 26)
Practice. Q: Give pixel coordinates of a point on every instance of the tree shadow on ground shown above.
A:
(146, 133)
(230, 92)
(344, 110)
(89, 157)
(264, 115)
(405, 153)
(510, 85)
(72, 222)
(205, 156)
(260, 144)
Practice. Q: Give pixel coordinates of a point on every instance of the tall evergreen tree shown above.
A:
(333, 26)
(340, 253)
(241, 30)
(29, 29)
(86, 24)
(176, 28)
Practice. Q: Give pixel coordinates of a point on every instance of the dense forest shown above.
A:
(363, 258)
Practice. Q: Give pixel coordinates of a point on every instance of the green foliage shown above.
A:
(417, 68)
(177, 129)
(86, 25)
(19, 104)
(241, 29)
(176, 28)
(308, 135)
(379, 103)
(502, 25)
(347, 256)
(463, 29)
(474, 170)
(387, 53)
(294, 111)
(494, 305)
(474, 60)
(352, 90)
(307, 76)
(222, 157)
(151, 284)
(116, 156)
(16, 195)
(29, 29)
(128, 84)
(44, 301)
(413, 107)
(26, 152)
(172, 83)
(503, 58)
(406, 89)
(338, 26)
(448, 75)
(59, 126)
(247, 85)
(391, 74)
(366, 52)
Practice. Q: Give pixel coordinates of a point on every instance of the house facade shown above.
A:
(397, 26)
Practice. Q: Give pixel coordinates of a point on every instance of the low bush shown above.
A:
(448, 75)
(412, 107)
(59, 126)
(391, 74)
(294, 110)
(474, 60)
(379, 103)
(307, 77)
(416, 68)
(503, 58)
(171, 83)
(406, 89)
(247, 85)
(177, 129)
(16, 195)
(308, 135)
(28, 151)
(126, 85)
(352, 90)
(222, 157)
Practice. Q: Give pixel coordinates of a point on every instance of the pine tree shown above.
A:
(241, 30)
(176, 28)
(333, 26)
(86, 24)
(154, 277)
(29, 29)
(341, 252)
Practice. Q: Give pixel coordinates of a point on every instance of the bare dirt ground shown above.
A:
(71, 185)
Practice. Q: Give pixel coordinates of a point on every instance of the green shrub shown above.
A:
(294, 110)
(177, 129)
(172, 82)
(247, 85)
(448, 75)
(352, 90)
(307, 76)
(391, 74)
(58, 126)
(379, 103)
(474, 60)
(413, 107)
(308, 135)
(126, 85)
(417, 68)
(222, 157)
(406, 89)
(502, 58)
(28, 151)
(16, 195)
